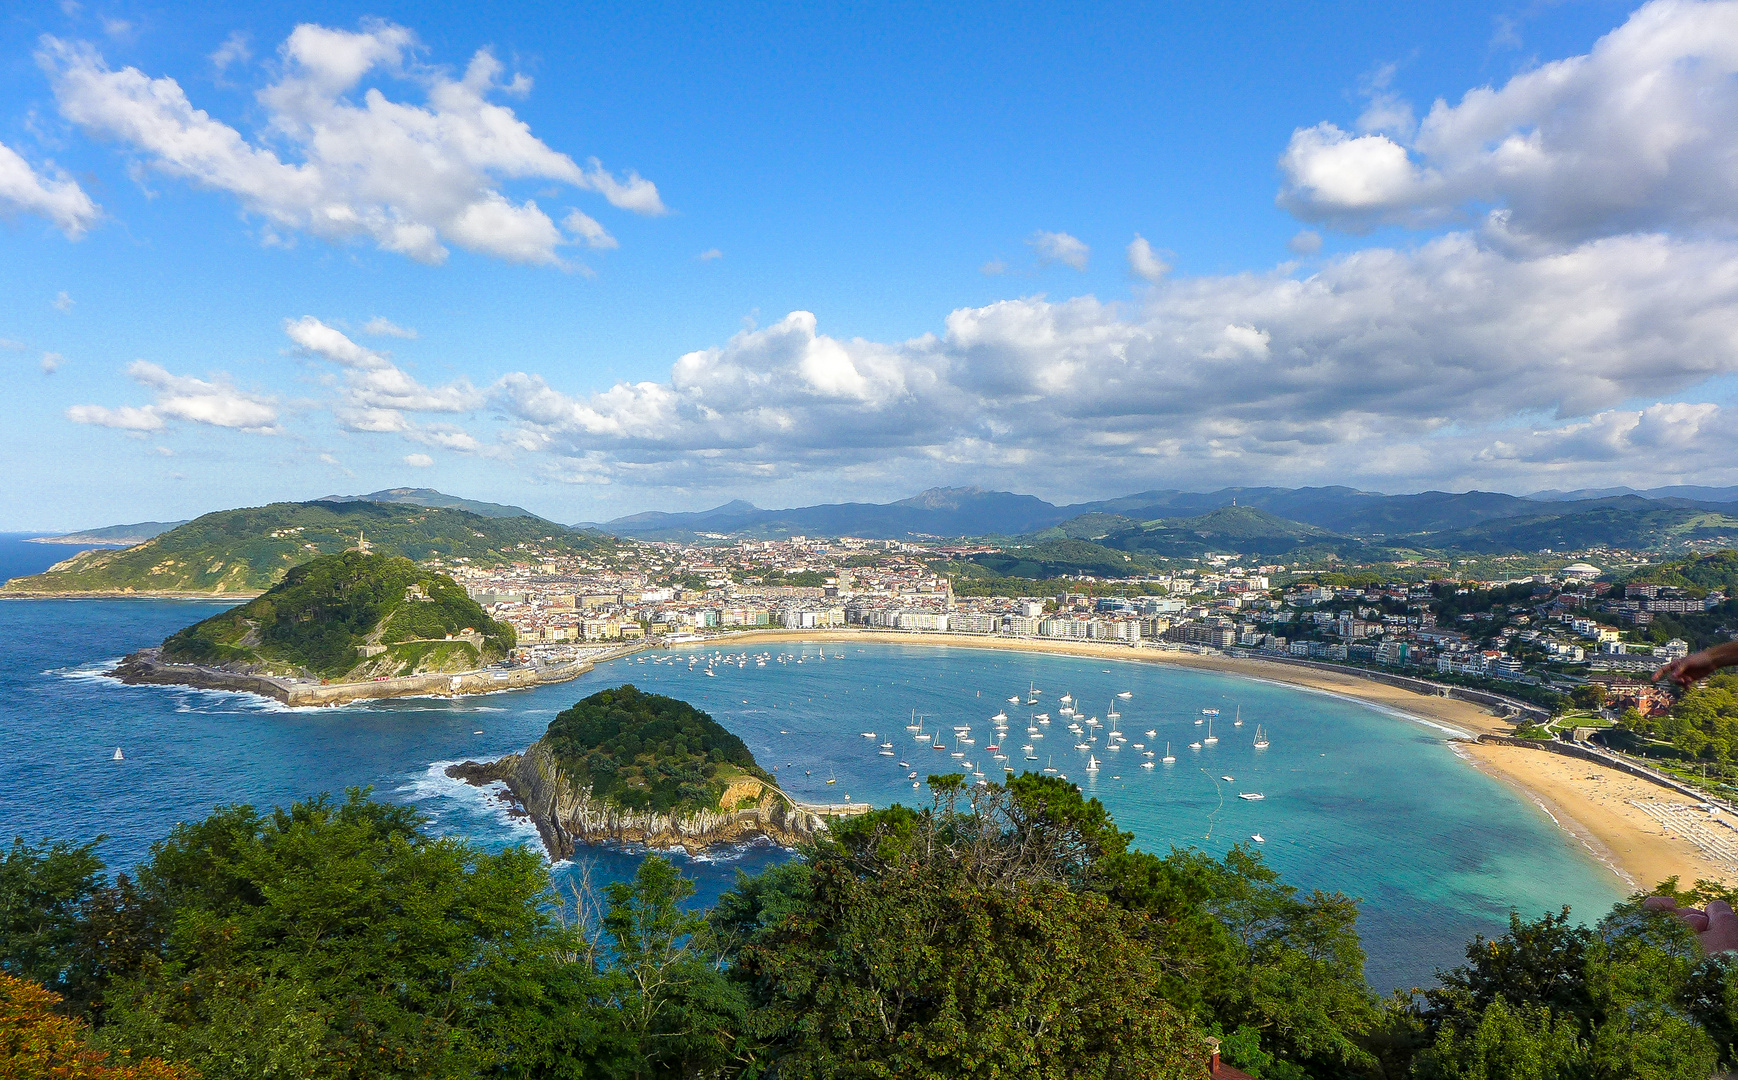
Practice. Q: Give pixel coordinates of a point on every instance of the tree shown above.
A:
(1589, 696)
(959, 941)
(37, 1043)
(44, 890)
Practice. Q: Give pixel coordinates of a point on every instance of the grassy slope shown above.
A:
(315, 620)
(246, 551)
(646, 751)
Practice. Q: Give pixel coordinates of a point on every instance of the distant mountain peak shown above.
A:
(951, 498)
(437, 500)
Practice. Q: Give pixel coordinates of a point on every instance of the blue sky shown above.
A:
(868, 251)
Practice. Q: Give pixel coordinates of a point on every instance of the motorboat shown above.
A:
(1251, 796)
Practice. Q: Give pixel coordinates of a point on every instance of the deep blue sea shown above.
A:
(1357, 799)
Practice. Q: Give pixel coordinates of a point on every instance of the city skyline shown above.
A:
(532, 258)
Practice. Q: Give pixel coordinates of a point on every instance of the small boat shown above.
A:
(914, 783)
(939, 745)
(1257, 838)
(1042, 718)
(886, 746)
(710, 674)
(1194, 746)
(118, 755)
(906, 765)
(867, 734)
(1211, 739)
(1209, 712)
(1239, 721)
(1081, 746)
(1015, 700)
(1169, 758)
(1126, 694)
(1066, 699)
(831, 779)
(1252, 796)
(1260, 738)
(1091, 763)
(958, 753)
(999, 717)
(1146, 764)
(1152, 732)
(911, 776)
(1228, 779)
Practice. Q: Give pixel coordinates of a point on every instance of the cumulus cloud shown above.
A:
(408, 178)
(709, 255)
(375, 392)
(51, 194)
(1305, 242)
(217, 403)
(418, 461)
(1060, 247)
(63, 302)
(993, 268)
(1144, 262)
(382, 327)
(1640, 133)
(234, 50)
(1383, 363)
(51, 362)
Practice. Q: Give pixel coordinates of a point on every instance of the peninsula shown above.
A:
(341, 627)
(625, 766)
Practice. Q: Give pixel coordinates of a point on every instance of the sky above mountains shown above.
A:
(596, 262)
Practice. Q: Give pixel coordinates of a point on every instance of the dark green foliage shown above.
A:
(959, 943)
(244, 551)
(1698, 576)
(1629, 998)
(1243, 529)
(317, 616)
(44, 890)
(1053, 558)
(641, 751)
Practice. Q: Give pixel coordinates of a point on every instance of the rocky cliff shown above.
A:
(567, 816)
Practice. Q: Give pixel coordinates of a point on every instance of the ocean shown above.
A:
(1356, 799)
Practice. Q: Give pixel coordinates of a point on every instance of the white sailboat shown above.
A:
(1260, 738)
(1091, 763)
(118, 755)
(1211, 739)
(1239, 721)
(1169, 758)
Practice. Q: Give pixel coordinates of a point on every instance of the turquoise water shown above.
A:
(1357, 799)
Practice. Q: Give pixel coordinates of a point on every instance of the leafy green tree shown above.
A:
(44, 891)
(957, 941)
(337, 939)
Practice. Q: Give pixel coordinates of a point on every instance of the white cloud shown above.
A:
(234, 50)
(376, 391)
(589, 232)
(1640, 133)
(418, 461)
(11, 346)
(709, 255)
(1060, 247)
(993, 268)
(63, 302)
(54, 195)
(218, 403)
(409, 178)
(51, 362)
(1408, 366)
(1143, 262)
(382, 327)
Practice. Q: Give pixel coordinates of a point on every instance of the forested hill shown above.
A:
(641, 751)
(241, 552)
(349, 616)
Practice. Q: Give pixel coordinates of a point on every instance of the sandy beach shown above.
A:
(1642, 832)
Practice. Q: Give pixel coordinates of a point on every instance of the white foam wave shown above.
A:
(440, 795)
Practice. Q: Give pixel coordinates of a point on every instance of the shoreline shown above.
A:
(1595, 805)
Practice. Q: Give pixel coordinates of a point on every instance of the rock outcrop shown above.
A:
(567, 816)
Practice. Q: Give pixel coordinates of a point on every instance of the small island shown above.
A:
(342, 627)
(625, 766)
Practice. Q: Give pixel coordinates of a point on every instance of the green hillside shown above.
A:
(1628, 522)
(349, 617)
(1053, 558)
(1244, 529)
(241, 552)
(645, 751)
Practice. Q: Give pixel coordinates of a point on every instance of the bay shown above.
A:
(1357, 799)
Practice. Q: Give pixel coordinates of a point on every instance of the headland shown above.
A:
(627, 767)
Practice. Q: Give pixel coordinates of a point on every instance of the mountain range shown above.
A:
(1473, 520)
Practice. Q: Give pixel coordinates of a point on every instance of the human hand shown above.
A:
(1688, 669)
(1716, 927)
